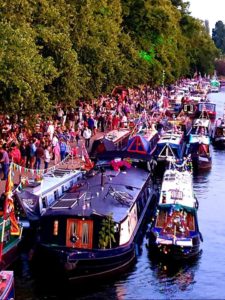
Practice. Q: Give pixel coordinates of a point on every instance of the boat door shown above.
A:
(79, 233)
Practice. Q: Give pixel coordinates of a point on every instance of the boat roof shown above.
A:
(201, 139)
(117, 135)
(168, 207)
(171, 138)
(51, 180)
(90, 197)
(177, 188)
(203, 122)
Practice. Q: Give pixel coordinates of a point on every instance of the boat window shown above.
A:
(44, 201)
(73, 229)
(85, 233)
(56, 195)
(63, 189)
(190, 222)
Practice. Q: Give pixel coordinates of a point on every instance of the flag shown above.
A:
(88, 163)
(9, 210)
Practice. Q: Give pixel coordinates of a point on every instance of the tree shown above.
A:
(24, 73)
(218, 36)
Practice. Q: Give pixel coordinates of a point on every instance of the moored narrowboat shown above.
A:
(174, 232)
(199, 148)
(171, 146)
(92, 230)
(7, 290)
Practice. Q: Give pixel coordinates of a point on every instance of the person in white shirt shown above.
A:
(47, 157)
(51, 130)
(124, 121)
(87, 136)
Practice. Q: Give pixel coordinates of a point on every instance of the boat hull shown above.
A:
(76, 266)
(219, 142)
(173, 251)
(202, 163)
(7, 290)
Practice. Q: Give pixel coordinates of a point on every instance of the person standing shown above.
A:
(4, 162)
(47, 157)
(62, 146)
(39, 155)
(87, 136)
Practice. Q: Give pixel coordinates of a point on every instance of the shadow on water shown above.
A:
(33, 289)
(41, 285)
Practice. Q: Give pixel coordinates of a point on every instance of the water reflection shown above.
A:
(174, 277)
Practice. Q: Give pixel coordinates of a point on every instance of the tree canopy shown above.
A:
(55, 51)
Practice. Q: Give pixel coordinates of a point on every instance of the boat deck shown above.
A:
(90, 195)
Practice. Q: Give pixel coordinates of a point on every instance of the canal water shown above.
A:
(148, 278)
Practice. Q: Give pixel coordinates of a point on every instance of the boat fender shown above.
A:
(197, 203)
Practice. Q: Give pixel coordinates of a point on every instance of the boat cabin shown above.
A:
(170, 145)
(177, 188)
(144, 142)
(202, 126)
(35, 197)
(200, 151)
(114, 140)
(208, 108)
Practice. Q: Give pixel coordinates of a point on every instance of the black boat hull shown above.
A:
(176, 252)
(77, 269)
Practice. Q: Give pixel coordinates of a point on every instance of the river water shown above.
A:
(150, 279)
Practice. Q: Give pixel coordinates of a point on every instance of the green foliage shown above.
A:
(107, 233)
(218, 36)
(59, 50)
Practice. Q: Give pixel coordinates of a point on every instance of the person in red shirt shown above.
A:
(15, 154)
(116, 121)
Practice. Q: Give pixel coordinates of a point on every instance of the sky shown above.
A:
(211, 10)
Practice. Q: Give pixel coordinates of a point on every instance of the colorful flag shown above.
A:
(9, 210)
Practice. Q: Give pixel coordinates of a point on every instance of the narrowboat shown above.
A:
(218, 137)
(92, 230)
(200, 151)
(208, 108)
(202, 126)
(9, 252)
(34, 196)
(10, 227)
(114, 140)
(7, 290)
(144, 142)
(190, 108)
(214, 86)
(170, 146)
(174, 232)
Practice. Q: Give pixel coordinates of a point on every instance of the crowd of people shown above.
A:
(53, 137)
